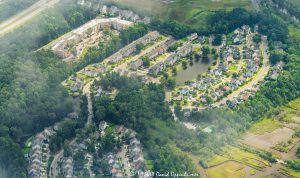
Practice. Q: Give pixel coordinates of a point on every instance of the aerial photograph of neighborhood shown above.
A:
(149, 88)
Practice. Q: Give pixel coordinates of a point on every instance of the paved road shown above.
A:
(56, 159)
(21, 18)
(54, 164)
(259, 77)
(59, 155)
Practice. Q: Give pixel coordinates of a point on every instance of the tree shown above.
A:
(205, 51)
(146, 61)
(139, 47)
(174, 71)
(170, 84)
(256, 38)
(66, 147)
(170, 27)
(184, 65)
(217, 41)
(276, 56)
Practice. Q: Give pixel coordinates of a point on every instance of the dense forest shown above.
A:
(143, 108)
(31, 96)
(9, 8)
(291, 7)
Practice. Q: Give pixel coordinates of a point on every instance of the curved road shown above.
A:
(263, 71)
(22, 17)
(58, 156)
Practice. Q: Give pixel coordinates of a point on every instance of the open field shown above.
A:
(266, 125)
(268, 133)
(141, 6)
(295, 104)
(194, 12)
(244, 157)
(289, 172)
(231, 153)
(229, 169)
(218, 159)
(268, 140)
(191, 12)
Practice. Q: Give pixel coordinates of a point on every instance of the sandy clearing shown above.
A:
(189, 125)
(293, 126)
(296, 119)
(268, 140)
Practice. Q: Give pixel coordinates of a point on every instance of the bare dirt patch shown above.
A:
(291, 154)
(296, 119)
(268, 140)
(293, 126)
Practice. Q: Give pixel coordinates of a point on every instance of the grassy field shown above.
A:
(150, 164)
(289, 172)
(295, 104)
(247, 158)
(236, 154)
(292, 109)
(227, 170)
(192, 12)
(218, 159)
(264, 126)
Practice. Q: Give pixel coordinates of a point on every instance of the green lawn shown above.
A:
(264, 126)
(290, 172)
(295, 104)
(216, 160)
(79, 75)
(239, 155)
(233, 68)
(150, 164)
(28, 141)
(227, 170)
(247, 158)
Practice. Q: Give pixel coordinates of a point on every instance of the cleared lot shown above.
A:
(267, 140)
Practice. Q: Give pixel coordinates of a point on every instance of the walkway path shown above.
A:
(87, 92)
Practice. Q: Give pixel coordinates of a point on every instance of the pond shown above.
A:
(192, 71)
